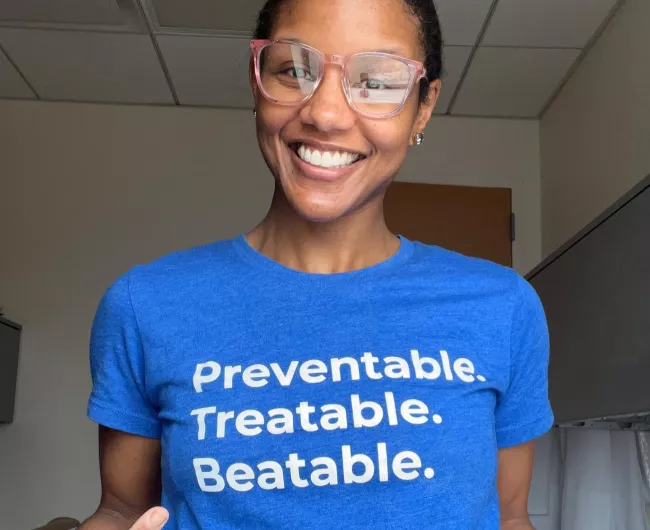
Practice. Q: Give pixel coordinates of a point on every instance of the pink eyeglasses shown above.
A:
(376, 84)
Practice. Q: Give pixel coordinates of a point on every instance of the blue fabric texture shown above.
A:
(370, 399)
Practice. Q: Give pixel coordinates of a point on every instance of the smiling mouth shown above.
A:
(326, 159)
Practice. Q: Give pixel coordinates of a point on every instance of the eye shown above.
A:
(373, 84)
(299, 73)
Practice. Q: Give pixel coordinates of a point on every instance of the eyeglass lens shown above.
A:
(377, 85)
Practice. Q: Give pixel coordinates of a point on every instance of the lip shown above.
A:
(321, 173)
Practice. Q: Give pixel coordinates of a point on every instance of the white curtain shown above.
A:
(643, 445)
(597, 480)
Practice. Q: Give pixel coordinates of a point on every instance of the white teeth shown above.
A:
(326, 159)
(304, 153)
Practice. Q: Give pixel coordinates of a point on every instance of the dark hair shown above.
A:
(430, 32)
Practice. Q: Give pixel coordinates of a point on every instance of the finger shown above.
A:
(154, 519)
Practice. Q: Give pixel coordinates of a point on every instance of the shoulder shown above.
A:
(178, 271)
(459, 268)
(483, 281)
(187, 262)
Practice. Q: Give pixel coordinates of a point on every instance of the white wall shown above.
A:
(595, 138)
(87, 191)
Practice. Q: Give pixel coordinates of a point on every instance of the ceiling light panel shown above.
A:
(461, 20)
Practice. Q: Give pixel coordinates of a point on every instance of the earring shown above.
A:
(418, 138)
(254, 113)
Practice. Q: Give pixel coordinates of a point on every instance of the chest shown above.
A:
(327, 393)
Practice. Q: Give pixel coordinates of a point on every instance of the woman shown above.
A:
(320, 372)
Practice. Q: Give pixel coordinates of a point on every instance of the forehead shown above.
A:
(344, 27)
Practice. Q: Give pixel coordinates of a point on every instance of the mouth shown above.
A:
(326, 158)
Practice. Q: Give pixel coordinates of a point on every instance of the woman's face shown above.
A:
(326, 122)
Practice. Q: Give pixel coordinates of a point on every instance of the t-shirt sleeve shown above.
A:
(119, 398)
(523, 411)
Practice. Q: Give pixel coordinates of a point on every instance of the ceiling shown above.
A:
(503, 58)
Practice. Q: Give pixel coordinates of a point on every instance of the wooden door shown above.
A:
(470, 220)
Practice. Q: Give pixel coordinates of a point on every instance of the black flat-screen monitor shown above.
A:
(9, 345)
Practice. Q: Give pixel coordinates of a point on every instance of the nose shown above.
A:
(328, 109)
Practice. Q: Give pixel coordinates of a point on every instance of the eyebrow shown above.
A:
(390, 51)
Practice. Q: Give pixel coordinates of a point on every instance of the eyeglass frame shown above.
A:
(416, 68)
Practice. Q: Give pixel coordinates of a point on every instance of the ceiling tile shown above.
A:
(11, 84)
(112, 13)
(207, 14)
(210, 71)
(455, 60)
(547, 23)
(462, 20)
(512, 82)
(83, 66)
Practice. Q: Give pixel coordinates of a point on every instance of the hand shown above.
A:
(154, 519)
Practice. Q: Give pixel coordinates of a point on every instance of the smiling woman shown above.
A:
(241, 408)
(333, 91)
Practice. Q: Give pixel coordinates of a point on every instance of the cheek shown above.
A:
(390, 137)
(271, 120)
(268, 128)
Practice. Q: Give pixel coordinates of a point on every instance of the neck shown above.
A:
(359, 240)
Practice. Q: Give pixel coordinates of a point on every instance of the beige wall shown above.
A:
(595, 138)
(87, 191)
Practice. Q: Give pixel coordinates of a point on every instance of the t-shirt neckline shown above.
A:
(260, 261)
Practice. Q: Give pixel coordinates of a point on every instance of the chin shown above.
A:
(316, 211)
(327, 203)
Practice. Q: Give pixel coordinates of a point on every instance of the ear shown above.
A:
(426, 107)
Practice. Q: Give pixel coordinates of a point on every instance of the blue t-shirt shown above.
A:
(369, 399)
